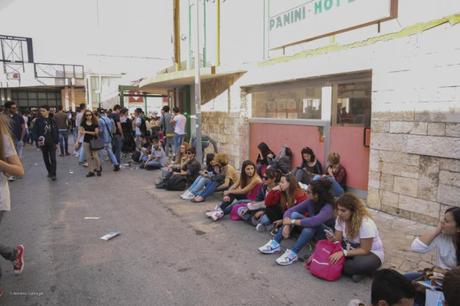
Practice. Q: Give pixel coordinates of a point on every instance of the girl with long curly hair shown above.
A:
(362, 246)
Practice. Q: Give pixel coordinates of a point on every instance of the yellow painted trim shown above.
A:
(333, 47)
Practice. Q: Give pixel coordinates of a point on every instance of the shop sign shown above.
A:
(294, 21)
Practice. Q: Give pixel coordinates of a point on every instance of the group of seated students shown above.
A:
(307, 203)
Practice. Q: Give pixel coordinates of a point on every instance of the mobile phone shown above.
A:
(329, 231)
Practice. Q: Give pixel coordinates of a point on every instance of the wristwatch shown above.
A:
(293, 221)
(345, 252)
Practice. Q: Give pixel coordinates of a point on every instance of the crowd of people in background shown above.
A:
(308, 202)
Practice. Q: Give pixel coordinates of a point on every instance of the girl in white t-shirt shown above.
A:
(362, 246)
(10, 164)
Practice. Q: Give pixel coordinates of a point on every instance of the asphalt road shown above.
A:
(169, 253)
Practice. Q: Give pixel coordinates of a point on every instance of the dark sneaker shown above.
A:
(19, 261)
(67, 154)
(90, 174)
(53, 177)
(116, 168)
(98, 172)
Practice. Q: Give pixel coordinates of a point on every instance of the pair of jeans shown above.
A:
(178, 139)
(7, 252)
(117, 143)
(336, 190)
(209, 189)
(198, 185)
(82, 154)
(307, 234)
(49, 157)
(169, 145)
(108, 149)
(153, 165)
(63, 141)
(226, 206)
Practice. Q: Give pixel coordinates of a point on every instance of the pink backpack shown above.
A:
(319, 264)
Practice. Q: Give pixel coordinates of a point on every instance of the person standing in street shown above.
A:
(117, 141)
(89, 129)
(47, 139)
(107, 128)
(79, 119)
(179, 129)
(18, 129)
(9, 164)
(62, 122)
(168, 129)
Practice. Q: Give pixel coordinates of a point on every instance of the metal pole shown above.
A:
(199, 153)
(218, 35)
(204, 33)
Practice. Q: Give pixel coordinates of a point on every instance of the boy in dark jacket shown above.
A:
(47, 134)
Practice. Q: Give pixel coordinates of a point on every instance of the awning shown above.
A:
(213, 81)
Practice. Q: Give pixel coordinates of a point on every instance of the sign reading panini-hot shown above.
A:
(294, 21)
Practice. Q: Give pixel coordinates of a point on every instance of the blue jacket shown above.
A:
(105, 128)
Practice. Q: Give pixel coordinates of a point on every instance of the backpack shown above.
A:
(176, 182)
(319, 264)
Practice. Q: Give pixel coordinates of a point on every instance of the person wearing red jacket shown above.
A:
(282, 197)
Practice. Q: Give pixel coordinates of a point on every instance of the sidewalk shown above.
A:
(397, 233)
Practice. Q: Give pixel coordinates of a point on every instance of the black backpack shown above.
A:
(176, 183)
(143, 127)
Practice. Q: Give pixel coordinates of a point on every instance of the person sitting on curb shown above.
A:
(309, 167)
(201, 180)
(279, 199)
(336, 174)
(227, 175)
(158, 158)
(255, 212)
(248, 181)
(391, 288)
(320, 210)
(445, 239)
(355, 229)
(188, 173)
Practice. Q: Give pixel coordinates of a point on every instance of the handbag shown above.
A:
(96, 144)
(319, 264)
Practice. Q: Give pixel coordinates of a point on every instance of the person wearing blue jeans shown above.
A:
(195, 188)
(320, 213)
(209, 189)
(178, 139)
(64, 142)
(106, 126)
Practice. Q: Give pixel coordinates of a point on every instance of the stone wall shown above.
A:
(415, 164)
(230, 132)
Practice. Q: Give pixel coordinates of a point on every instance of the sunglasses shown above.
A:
(88, 115)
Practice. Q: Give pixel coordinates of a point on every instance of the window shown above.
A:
(354, 103)
(299, 102)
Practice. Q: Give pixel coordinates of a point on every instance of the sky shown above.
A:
(68, 31)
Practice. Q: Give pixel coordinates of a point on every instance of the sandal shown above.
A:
(198, 199)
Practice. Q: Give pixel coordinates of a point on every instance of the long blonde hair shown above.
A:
(4, 130)
(358, 212)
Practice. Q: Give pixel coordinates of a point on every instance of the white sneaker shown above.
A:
(185, 195)
(217, 215)
(189, 196)
(270, 247)
(287, 258)
(209, 213)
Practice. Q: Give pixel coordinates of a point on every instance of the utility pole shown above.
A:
(199, 152)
